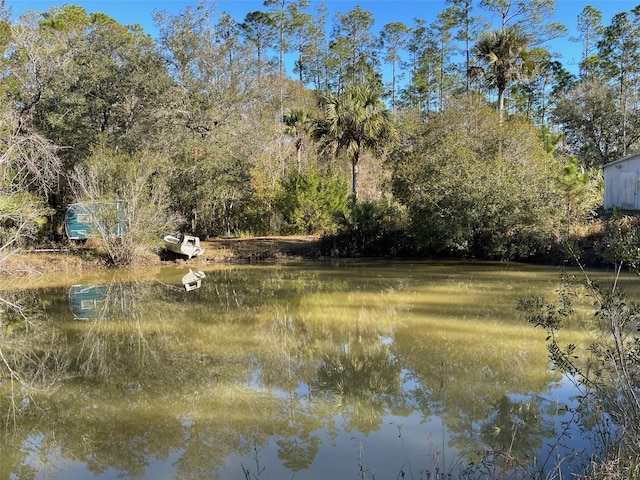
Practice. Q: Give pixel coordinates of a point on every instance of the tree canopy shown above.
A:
(223, 141)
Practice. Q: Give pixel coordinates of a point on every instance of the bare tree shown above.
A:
(132, 197)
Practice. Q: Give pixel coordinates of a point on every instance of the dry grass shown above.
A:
(615, 469)
(38, 263)
(223, 250)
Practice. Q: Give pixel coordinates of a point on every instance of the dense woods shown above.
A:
(481, 143)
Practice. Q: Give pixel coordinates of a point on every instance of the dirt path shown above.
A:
(260, 248)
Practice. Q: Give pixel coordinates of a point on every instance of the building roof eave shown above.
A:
(620, 160)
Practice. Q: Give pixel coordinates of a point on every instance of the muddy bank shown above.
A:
(69, 257)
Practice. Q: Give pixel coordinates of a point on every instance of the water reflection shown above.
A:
(274, 371)
(363, 381)
(192, 280)
(116, 299)
(96, 301)
(515, 426)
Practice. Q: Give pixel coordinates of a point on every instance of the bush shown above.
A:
(475, 187)
(372, 229)
(134, 186)
(309, 202)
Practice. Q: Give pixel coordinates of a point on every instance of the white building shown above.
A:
(621, 183)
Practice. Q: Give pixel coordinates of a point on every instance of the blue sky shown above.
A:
(384, 11)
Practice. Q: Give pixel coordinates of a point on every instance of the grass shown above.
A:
(618, 468)
(73, 257)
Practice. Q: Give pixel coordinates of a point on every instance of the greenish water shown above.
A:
(312, 370)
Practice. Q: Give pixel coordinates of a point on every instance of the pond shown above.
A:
(311, 370)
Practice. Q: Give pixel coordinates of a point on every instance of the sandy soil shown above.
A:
(220, 250)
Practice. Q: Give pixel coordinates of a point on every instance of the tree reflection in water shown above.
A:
(32, 357)
(299, 451)
(516, 428)
(364, 382)
(280, 360)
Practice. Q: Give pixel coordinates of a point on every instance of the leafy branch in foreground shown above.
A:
(551, 318)
(607, 370)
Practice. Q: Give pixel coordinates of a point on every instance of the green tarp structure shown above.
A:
(82, 219)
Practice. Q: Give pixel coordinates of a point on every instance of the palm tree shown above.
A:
(504, 52)
(355, 122)
(298, 124)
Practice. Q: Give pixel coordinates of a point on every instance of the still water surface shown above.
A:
(307, 370)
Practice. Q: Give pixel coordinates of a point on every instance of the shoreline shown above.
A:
(219, 250)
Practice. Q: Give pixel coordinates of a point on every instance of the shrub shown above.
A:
(309, 202)
(607, 371)
(475, 187)
(372, 229)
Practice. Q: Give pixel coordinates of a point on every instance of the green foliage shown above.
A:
(351, 56)
(607, 371)
(620, 244)
(475, 187)
(355, 122)
(551, 318)
(212, 189)
(198, 97)
(85, 77)
(592, 122)
(310, 203)
(582, 190)
(372, 228)
(548, 316)
(23, 217)
(298, 125)
(504, 53)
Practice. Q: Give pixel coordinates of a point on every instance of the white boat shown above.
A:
(192, 280)
(183, 245)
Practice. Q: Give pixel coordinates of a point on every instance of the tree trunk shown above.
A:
(500, 102)
(354, 176)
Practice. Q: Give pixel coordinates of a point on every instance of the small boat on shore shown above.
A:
(183, 245)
